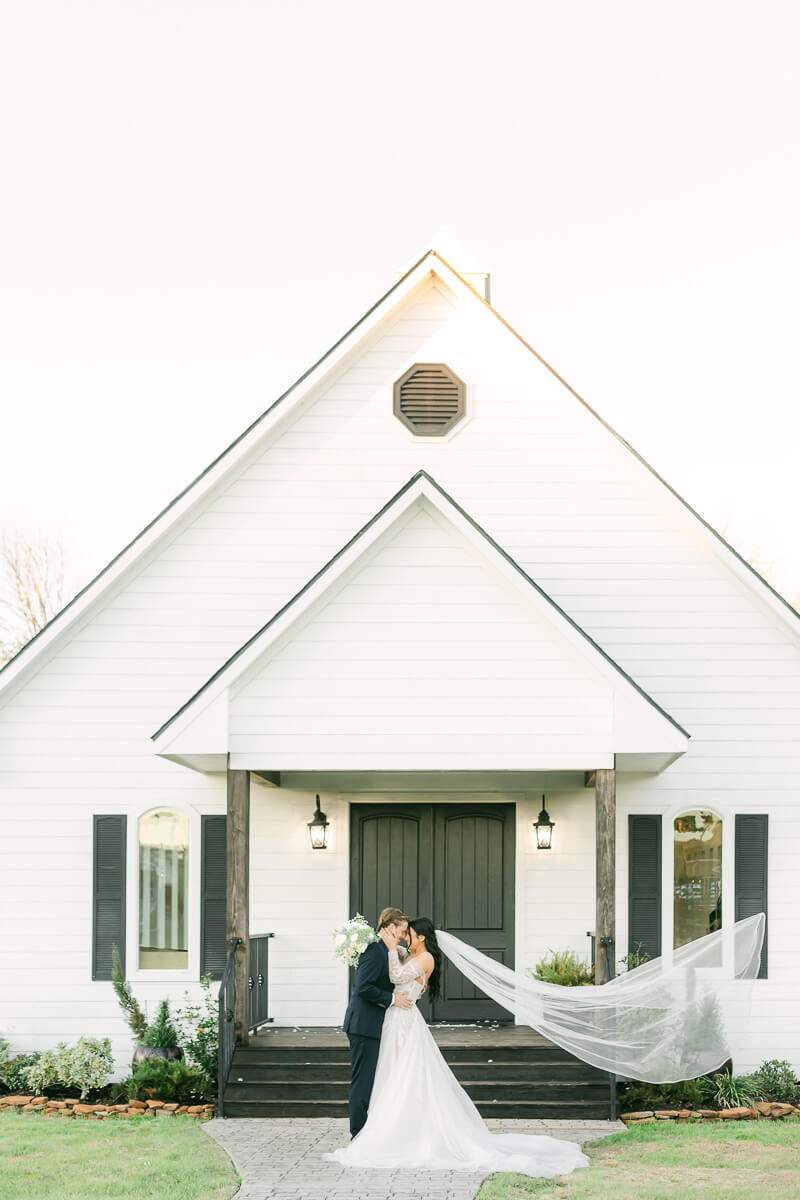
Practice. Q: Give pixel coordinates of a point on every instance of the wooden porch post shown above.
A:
(238, 892)
(605, 846)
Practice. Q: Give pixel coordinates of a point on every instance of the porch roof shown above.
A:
(338, 679)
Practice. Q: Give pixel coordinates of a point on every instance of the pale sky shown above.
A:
(198, 198)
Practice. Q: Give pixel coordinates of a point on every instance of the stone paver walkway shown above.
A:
(281, 1159)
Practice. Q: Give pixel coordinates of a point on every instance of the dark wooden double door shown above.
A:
(452, 863)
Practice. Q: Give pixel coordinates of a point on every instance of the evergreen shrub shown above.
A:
(170, 1080)
(198, 1028)
(162, 1031)
(563, 967)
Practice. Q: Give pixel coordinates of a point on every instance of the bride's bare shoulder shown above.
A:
(426, 959)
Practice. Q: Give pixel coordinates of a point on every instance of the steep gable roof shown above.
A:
(197, 734)
(429, 263)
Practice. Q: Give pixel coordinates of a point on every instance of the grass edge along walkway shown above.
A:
(140, 1158)
(737, 1161)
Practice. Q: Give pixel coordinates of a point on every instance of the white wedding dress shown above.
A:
(420, 1114)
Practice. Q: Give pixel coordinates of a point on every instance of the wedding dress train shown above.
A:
(420, 1114)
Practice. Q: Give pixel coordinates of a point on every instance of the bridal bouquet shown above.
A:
(350, 942)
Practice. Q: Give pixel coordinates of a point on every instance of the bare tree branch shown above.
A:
(32, 587)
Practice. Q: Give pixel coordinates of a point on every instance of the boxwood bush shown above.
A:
(88, 1065)
(14, 1072)
(774, 1080)
(171, 1080)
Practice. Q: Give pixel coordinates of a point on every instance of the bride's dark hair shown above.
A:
(423, 927)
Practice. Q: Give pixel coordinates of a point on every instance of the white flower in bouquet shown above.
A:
(350, 942)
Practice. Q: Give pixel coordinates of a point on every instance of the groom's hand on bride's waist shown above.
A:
(401, 1001)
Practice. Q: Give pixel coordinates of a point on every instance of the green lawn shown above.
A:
(146, 1158)
(132, 1158)
(730, 1161)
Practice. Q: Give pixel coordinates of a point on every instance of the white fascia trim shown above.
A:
(432, 264)
(206, 733)
(742, 569)
(171, 739)
(227, 461)
(291, 615)
(676, 740)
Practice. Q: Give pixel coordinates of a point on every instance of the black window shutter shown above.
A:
(108, 891)
(213, 945)
(750, 886)
(644, 883)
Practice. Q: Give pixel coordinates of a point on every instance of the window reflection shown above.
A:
(163, 889)
(698, 876)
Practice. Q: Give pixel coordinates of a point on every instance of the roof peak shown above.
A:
(470, 266)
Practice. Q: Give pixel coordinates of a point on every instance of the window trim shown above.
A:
(726, 876)
(183, 824)
(190, 973)
(639, 805)
(726, 814)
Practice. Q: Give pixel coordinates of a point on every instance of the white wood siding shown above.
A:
(413, 666)
(300, 895)
(557, 491)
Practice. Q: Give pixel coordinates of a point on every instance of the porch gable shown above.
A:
(421, 645)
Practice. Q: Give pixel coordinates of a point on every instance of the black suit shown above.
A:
(363, 1024)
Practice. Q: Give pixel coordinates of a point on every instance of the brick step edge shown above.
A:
(313, 1069)
(329, 1086)
(452, 1054)
(480, 1094)
(508, 1110)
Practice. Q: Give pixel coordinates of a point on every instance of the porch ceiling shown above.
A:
(421, 646)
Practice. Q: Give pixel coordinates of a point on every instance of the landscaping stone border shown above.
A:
(763, 1109)
(102, 1112)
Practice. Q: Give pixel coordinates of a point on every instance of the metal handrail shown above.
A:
(226, 1028)
(607, 943)
(258, 1011)
(612, 1078)
(258, 981)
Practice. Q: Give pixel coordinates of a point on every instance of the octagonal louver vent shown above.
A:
(429, 399)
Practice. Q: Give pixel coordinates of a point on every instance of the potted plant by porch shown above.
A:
(158, 1040)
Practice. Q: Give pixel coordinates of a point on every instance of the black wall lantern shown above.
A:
(318, 828)
(544, 829)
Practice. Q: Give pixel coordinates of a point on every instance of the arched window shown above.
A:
(697, 838)
(163, 889)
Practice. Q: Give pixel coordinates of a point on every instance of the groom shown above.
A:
(363, 1021)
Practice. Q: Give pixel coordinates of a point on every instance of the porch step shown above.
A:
(546, 1053)
(295, 1072)
(278, 1077)
(487, 1093)
(507, 1110)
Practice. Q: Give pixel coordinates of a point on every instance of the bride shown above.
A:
(416, 1093)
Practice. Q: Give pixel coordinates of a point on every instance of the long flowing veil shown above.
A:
(666, 1020)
